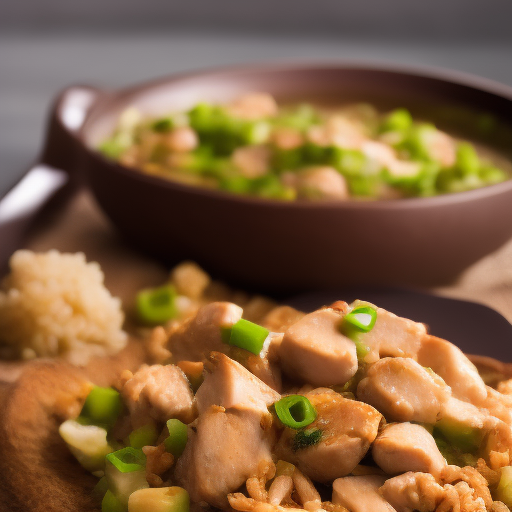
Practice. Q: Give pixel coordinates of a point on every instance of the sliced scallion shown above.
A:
(306, 438)
(111, 503)
(246, 335)
(143, 436)
(127, 460)
(102, 407)
(360, 320)
(295, 411)
(157, 305)
(178, 437)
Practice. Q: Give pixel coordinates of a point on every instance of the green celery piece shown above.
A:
(398, 120)
(491, 175)
(143, 436)
(100, 488)
(235, 184)
(125, 472)
(248, 335)
(504, 489)
(112, 148)
(111, 503)
(157, 305)
(102, 406)
(467, 439)
(178, 437)
(467, 159)
(287, 159)
(163, 125)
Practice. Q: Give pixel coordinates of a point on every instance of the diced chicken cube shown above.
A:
(456, 411)
(200, 335)
(282, 317)
(393, 336)
(348, 427)
(454, 367)
(253, 105)
(223, 450)
(252, 161)
(403, 447)
(158, 393)
(360, 493)
(314, 351)
(322, 183)
(228, 384)
(412, 491)
(403, 390)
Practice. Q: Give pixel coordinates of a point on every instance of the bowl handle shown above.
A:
(51, 182)
(67, 116)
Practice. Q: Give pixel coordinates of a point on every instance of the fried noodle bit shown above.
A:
(477, 483)
(158, 461)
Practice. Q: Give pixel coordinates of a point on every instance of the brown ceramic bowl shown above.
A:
(275, 246)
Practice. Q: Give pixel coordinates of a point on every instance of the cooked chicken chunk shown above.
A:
(347, 429)
(280, 318)
(322, 183)
(360, 493)
(197, 337)
(314, 351)
(412, 491)
(403, 447)
(454, 368)
(223, 450)
(228, 384)
(403, 390)
(393, 336)
(159, 393)
(458, 412)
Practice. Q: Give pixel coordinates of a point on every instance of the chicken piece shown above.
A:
(322, 183)
(412, 491)
(200, 335)
(224, 449)
(282, 317)
(498, 405)
(457, 412)
(403, 390)
(228, 384)
(190, 279)
(182, 139)
(403, 447)
(392, 336)
(158, 392)
(360, 493)
(254, 105)
(348, 427)
(440, 146)
(287, 138)
(314, 351)
(252, 161)
(337, 131)
(454, 367)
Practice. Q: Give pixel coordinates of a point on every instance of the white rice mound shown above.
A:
(54, 304)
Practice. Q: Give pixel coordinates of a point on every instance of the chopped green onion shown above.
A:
(100, 488)
(111, 503)
(360, 319)
(295, 411)
(306, 438)
(127, 460)
(399, 120)
(157, 305)
(112, 148)
(246, 335)
(163, 125)
(362, 350)
(143, 436)
(467, 159)
(102, 406)
(178, 437)
(504, 490)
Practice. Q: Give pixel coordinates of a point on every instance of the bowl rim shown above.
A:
(453, 77)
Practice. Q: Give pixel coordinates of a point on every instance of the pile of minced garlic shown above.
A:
(54, 304)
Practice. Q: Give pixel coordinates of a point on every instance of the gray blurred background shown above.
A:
(48, 44)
